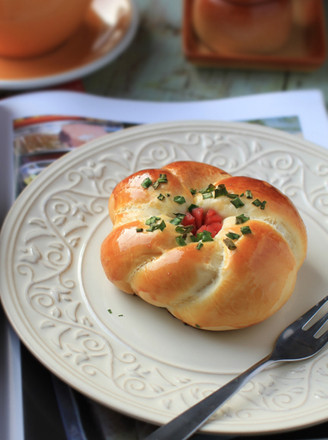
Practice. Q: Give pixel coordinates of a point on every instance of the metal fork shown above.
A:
(298, 341)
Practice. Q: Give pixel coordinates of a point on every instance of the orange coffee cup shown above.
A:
(33, 27)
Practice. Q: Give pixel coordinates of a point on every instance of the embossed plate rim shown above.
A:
(20, 319)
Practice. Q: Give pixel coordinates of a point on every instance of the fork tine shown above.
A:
(310, 313)
(323, 339)
(317, 325)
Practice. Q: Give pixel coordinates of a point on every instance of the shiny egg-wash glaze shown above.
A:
(212, 287)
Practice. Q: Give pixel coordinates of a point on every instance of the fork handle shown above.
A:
(187, 423)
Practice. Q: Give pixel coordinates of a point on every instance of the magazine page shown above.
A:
(49, 124)
(306, 107)
(37, 128)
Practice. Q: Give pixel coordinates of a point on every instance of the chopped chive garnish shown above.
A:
(161, 226)
(109, 311)
(230, 244)
(154, 225)
(221, 190)
(242, 218)
(245, 230)
(178, 219)
(152, 220)
(139, 229)
(259, 204)
(161, 197)
(146, 183)
(162, 179)
(197, 325)
(207, 195)
(209, 189)
(233, 235)
(249, 194)
(232, 196)
(184, 229)
(180, 240)
(193, 191)
(204, 236)
(241, 195)
(175, 221)
(237, 203)
(168, 195)
(199, 245)
(191, 207)
(179, 199)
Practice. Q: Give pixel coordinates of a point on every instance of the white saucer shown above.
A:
(108, 29)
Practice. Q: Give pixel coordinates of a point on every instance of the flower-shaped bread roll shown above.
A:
(219, 252)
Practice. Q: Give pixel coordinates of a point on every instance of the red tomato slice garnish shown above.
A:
(213, 228)
(198, 213)
(211, 221)
(188, 220)
(212, 217)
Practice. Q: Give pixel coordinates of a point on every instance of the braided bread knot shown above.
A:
(219, 252)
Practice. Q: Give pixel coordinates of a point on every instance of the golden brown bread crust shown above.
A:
(212, 287)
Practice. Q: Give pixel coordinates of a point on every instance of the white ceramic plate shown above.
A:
(107, 30)
(138, 359)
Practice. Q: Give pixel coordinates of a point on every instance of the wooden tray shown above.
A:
(305, 50)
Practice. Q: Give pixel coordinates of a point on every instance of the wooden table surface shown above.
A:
(154, 67)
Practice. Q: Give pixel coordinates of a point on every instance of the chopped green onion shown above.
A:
(193, 191)
(184, 229)
(249, 194)
(161, 197)
(178, 219)
(221, 190)
(161, 226)
(230, 244)
(259, 204)
(162, 179)
(146, 183)
(209, 189)
(179, 199)
(237, 203)
(109, 311)
(154, 225)
(199, 245)
(152, 220)
(204, 236)
(233, 235)
(242, 218)
(180, 240)
(245, 230)
(139, 229)
(232, 196)
(208, 196)
(192, 206)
